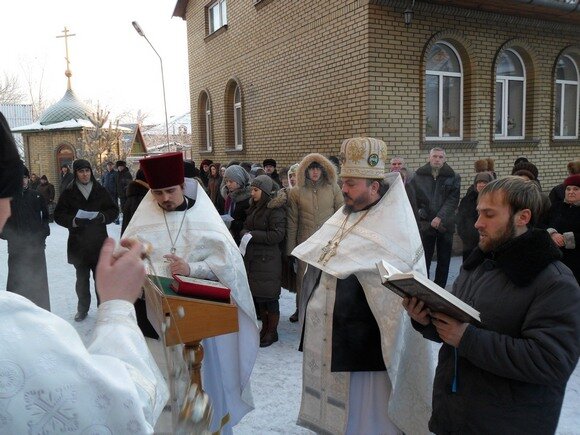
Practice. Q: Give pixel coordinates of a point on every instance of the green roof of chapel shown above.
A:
(69, 107)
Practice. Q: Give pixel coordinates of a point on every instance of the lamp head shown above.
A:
(138, 28)
(408, 16)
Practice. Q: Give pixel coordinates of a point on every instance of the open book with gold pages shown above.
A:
(436, 298)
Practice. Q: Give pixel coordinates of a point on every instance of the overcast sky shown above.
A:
(110, 62)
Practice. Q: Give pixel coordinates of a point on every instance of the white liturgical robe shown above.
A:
(209, 249)
(51, 383)
(339, 402)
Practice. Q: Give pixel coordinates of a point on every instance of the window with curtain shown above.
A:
(510, 96)
(443, 93)
(566, 100)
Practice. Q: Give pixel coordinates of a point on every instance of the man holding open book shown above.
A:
(509, 373)
(365, 370)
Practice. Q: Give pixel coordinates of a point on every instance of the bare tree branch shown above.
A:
(10, 92)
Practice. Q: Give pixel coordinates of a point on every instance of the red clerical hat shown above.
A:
(163, 170)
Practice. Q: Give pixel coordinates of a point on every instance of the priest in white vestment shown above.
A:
(365, 370)
(189, 238)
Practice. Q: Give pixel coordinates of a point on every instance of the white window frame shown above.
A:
(238, 139)
(440, 76)
(208, 138)
(218, 7)
(505, 81)
(565, 84)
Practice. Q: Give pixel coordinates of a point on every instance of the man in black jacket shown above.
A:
(509, 373)
(85, 208)
(123, 179)
(26, 231)
(437, 187)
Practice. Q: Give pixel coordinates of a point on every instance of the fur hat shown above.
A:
(189, 169)
(163, 170)
(525, 173)
(483, 165)
(526, 166)
(363, 157)
(205, 162)
(264, 183)
(572, 180)
(81, 164)
(269, 162)
(121, 163)
(237, 174)
(574, 167)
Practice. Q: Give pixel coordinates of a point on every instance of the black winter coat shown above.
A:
(466, 218)
(565, 218)
(436, 197)
(512, 370)
(136, 191)
(123, 179)
(28, 223)
(84, 243)
(65, 181)
(266, 222)
(239, 202)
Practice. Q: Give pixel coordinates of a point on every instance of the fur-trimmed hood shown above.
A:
(329, 173)
(279, 199)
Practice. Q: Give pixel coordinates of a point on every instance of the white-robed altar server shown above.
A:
(50, 382)
(365, 371)
(189, 238)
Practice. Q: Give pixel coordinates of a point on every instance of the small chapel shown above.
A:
(63, 130)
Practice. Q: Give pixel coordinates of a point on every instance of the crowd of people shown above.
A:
(317, 228)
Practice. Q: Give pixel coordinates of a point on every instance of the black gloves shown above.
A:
(98, 219)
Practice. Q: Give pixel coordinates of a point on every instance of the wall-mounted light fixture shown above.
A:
(408, 14)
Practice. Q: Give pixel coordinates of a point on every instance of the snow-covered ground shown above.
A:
(276, 379)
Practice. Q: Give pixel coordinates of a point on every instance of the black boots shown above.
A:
(294, 317)
(271, 332)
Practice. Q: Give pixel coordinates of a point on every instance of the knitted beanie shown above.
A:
(237, 174)
(264, 183)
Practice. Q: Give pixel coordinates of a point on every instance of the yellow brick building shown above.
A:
(282, 78)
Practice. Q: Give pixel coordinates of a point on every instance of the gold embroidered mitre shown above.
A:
(363, 157)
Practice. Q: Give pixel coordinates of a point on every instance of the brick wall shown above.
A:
(313, 73)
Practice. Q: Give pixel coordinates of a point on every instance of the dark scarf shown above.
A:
(521, 258)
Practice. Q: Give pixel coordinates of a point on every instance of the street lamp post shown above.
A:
(140, 32)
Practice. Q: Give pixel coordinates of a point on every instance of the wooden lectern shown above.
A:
(187, 320)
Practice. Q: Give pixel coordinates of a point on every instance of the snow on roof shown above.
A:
(71, 124)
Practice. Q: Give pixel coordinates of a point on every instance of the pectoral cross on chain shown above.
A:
(328, 252)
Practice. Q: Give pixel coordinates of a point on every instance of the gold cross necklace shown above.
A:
(331, 247)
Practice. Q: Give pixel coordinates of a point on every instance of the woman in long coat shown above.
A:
(266, 222)
(311, 202)
(564, 224)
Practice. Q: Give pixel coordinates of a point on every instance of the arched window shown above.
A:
(443, 93)
(510, 96)
(238, 130)
(566, 102)
(204, 118)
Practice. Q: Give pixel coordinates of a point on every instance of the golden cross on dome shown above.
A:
(68, 72)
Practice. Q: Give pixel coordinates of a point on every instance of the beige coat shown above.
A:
(311, 204)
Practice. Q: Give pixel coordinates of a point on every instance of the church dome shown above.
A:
(69, 107)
